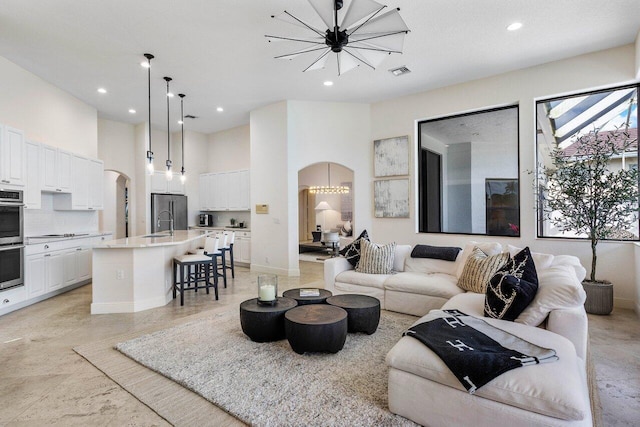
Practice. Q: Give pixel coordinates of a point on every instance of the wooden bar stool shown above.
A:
(195, 269)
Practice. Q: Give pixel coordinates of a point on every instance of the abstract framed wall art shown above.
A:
(391, 156)
(391, 198)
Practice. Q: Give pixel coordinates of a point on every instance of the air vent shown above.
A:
(189, 116)
(400, 71)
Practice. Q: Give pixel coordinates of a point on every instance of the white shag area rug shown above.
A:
(268, 384)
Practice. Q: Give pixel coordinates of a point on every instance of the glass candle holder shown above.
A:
(267, 289)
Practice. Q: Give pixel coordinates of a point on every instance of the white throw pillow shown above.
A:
(541, 260)
(376, 259)
(489, 248)
(558, 288)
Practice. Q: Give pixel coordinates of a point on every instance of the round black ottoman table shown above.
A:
(295, 294)
(263, 323)
(316, 327)
(363, 310)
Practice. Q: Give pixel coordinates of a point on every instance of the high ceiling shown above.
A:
(216, 52)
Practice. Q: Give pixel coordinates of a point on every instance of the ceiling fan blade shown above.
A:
(320, 62)
(308, 40)
(393, 42)
(390, 21)
(359, 57)
(346, 62)
(359, 10)
(373, 58)
(294, 20)
(324, 9)
(300, 52)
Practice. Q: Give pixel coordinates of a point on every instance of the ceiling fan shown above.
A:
(358, 32)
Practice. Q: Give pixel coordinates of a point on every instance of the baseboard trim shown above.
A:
(625, 303)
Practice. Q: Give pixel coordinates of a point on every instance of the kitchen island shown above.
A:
(135, 273)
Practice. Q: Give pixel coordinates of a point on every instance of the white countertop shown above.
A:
(31, 240)
(163, 239)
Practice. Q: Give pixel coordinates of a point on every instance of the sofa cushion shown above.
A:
(489, 248)
(541, 260)
(434, 284)
(362, 279)
(558, 288)
(447, 253)
(376, 259)
(352, 251)
(402, 253)
(479, 268)
(555, 389)
(428, 265)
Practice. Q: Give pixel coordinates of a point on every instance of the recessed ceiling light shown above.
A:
(170, 94)
(180, 122)
(515, 26)
(102, 90)
(219, 109)
(145, 64)
(132, 111)
(328, 83)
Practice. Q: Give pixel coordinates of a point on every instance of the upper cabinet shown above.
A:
(226, 191)
(56, 169)
(87, 186)
(159, 184)
(11, 157)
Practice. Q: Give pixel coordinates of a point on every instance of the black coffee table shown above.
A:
(263, 323)
(363, 310)
(316, 327)
(295, 294)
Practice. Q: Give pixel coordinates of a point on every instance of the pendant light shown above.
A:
(147, 65)
(183, 177)
(328, 189)
(169, 171)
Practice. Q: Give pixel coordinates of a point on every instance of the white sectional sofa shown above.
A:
(424, 390)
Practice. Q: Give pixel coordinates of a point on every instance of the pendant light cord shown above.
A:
(168, 79)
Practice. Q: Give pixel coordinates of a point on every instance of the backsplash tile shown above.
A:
(48, 221)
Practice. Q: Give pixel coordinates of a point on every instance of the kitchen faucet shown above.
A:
(163, 220)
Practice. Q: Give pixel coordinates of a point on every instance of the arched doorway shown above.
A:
(115, 216)
(322, 211)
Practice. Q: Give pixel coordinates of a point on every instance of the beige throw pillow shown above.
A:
(376, 259)
(479, 269)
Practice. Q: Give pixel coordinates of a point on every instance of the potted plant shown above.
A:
(587, 190)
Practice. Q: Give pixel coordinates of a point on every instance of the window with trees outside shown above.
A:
(587, 149)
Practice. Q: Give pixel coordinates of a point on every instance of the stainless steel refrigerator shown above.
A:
(166, 207)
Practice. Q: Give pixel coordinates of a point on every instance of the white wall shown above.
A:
(45, 113)
(196, 147)
(229, 149)
(601, 69)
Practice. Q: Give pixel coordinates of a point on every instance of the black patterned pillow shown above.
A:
(507, 296)
(512, 288)
(352, 251)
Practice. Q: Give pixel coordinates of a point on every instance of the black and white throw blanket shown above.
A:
(475, 351)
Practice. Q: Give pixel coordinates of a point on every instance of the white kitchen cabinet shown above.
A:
(70, 268)
(55, 170)
(96, 184)
(242, 247)
(34, 275)
(83, 264)
(32, 193)
(53, 270)
(225, 191)
(159, 184)
(80, 183)
(11, 157)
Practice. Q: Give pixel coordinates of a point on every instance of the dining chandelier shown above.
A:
(329, 189)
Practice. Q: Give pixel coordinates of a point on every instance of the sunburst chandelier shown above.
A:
(358, 32)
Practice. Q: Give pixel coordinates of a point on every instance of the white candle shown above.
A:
(267, 293)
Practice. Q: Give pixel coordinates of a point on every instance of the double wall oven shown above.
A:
(11, 239)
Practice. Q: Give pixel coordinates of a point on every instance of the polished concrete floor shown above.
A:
(44, 382)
